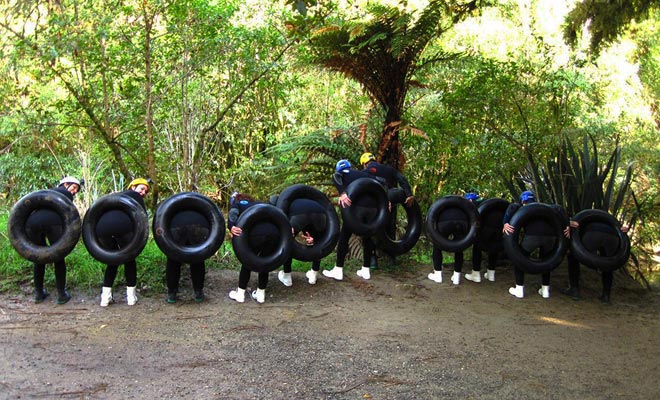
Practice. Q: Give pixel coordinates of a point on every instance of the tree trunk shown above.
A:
(151, 163)
(389, 148)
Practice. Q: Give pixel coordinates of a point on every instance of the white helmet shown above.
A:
(69, 179)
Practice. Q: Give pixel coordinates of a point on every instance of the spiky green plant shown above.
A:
(577, 179)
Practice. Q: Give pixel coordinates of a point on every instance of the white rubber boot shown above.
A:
(311, 276)
(238, 295)
(364, 273)
(106, 296)
(335, 273)
(456, 278)
(474, 276)
(436, 276)
(545, 291)
(131, 297)
(490, 275)
(259, 295)
(517, 291)
(285, 278)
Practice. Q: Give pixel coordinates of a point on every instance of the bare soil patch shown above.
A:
(397, 336)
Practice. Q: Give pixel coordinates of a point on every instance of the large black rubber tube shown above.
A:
(403, 244)
(492, 209)
(323, 245)
(44, 199)
(262, 213)
(518, 256)
(601, 262)
(365, 187)
(139, 222)
(432, 219)
(188, 201)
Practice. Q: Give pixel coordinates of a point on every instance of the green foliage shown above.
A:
(484, 117)
(606, 19)
(13, 266)
(209, 105)
(303, 266)
(647, 37)
(226, 109)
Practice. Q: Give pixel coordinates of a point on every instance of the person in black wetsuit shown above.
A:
(308, 220)
(603, 240)
(263, 236)
(393, 179)
(114, 230)
(45, 224)
(538, 235)
(452, 222)
(188, 228)
(490, 227)
(367, 209)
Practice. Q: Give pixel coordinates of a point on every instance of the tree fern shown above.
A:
(310, 159)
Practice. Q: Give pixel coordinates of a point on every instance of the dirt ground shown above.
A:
(397, 336)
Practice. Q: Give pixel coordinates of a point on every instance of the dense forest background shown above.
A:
(249, 95)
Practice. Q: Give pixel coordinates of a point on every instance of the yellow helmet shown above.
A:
(366, 157)
(139, 181)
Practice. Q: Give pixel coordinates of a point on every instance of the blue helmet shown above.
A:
(472, 196)
(527, 197)
(342, 165)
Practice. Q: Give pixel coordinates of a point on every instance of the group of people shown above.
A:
(114, 230)
(539, 238)
(308, 221)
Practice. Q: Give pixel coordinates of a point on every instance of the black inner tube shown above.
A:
(188, 252)
(254, 219)
(139, 226)
(467, 208)
(398, 245)
(44, 200)
(325, 243)
(606, 259)
(350, 215)
(490, 236)
(518, 256)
